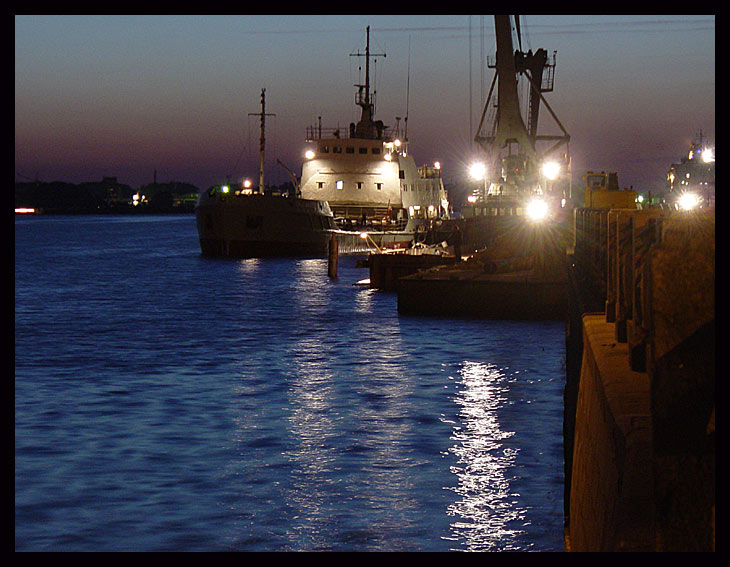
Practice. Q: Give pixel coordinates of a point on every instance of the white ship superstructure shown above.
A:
(369, 172)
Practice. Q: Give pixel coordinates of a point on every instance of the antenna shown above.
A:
(408, 89)
(363, 96)
(471, 129)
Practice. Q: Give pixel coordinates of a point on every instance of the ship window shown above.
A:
(339, 184)
(401, 174)
(379, 186)
(350, 150)
(359, 184)
(320, 184)
(362, 150)
(324, 149)
(376, 151)
(336, 149)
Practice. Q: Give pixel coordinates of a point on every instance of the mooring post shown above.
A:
(332, 257)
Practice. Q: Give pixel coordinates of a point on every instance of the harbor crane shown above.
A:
(515, 163)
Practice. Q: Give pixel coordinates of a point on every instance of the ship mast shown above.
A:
(262, 139)
(366, 128)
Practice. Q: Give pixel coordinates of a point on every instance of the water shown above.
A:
(168, 402)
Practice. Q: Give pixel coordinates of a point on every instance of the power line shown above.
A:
(639, 26)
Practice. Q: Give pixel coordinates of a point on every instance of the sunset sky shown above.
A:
(128, 96)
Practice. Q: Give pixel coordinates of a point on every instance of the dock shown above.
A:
(640, 382)
(389, 270)
(457, 292)
(519, 274)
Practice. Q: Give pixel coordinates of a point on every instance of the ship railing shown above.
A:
(429, 172)
(315, 133)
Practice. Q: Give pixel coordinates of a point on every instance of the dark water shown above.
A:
(164, 401)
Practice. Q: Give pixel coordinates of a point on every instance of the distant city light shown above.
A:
(247, 183)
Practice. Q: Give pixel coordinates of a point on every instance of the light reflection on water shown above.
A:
(358, 482)
(312, 419)
(266, 407)
(486, 509)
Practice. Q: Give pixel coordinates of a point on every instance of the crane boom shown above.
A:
(292, 176)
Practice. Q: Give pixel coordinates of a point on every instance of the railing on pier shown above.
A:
(613, 249)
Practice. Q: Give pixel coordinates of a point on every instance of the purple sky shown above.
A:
(126, 96)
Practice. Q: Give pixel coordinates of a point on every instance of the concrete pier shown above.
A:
(640, 437)
(611, 505)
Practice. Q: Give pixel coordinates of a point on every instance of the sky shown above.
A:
(134, 96)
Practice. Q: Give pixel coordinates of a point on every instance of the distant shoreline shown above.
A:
(108, 196)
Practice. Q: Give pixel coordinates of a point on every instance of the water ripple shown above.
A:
(168, 402)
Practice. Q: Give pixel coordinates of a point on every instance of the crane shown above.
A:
(293, 177)
(518, 172)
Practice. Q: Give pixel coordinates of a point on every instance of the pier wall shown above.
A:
(640, 442)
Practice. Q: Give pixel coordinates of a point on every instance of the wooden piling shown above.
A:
(332, 257)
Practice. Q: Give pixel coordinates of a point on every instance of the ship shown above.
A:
(691, 181)
(234, 221)
(368, 177)
(361, 189)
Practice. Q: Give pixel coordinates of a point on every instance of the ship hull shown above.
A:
(246, 226)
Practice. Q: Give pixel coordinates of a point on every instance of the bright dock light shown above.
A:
(537, 209)
(551, 169)
(478, 171)
(309, 154)
(688, 201)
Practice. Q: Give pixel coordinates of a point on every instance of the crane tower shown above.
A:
(514, 159)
